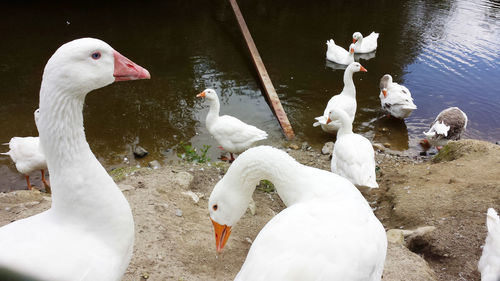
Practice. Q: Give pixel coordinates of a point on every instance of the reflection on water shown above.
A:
(446, 52)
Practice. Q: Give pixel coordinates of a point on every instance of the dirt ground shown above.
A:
(175, 240)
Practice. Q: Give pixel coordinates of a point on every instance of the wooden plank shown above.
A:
(264, 77)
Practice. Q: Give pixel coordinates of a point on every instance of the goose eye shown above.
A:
(96, 55)
(215, 207)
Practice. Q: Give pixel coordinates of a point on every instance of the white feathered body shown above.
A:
(489, 263)
(59, 249)
(353, 158)
(233, 134)
(26, 154)
(318, 240)
(367, 44)
(338, 54)
(398, 102)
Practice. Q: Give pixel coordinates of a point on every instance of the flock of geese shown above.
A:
(327, 232)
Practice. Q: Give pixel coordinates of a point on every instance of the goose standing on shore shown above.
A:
(489, 263)
(395, 99)
(88, 233)
(448, 125)
(232, 134)
(366, 44)
(25, 152)
(346, 100)
(353, 156)
(327, 232)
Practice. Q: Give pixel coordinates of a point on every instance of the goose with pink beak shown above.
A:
(88, 233)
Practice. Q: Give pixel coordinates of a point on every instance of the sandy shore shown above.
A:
(446, 198)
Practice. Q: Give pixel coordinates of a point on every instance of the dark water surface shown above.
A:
(446, 52)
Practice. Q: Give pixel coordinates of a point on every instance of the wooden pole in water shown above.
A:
(264, 77)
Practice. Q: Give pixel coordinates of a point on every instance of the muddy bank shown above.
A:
(174, 236)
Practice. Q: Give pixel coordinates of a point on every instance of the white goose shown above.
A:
(338, 54)
(364, 45)
(327, 232)
(346, 100)
(489, 263)
(448, 125)
(88, 233)
(232, 134)
(353, 156)
(395, 99)
(27, 155)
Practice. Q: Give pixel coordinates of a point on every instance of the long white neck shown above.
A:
(276, 166)
(82, 191)
(345, 121)
(349, 88)
(358, 43)
(213, 112)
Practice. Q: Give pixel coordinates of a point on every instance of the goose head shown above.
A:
(335, 114)
(385, 81)
(86, 64)
(209, 94)
(356, 36)
(351, 49)
(356, 67)
(226, 205)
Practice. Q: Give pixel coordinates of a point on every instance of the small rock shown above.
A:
(419, 231)
(178, 212)
(378, 146)
(193, 196)
(452, 180)
(161, 208)
(293, 146)
(154, 164)
(249, 240)
(183, 179)
(384, 129)
(386, 144)
(305, 146)
(327, 148)
(395, 236)
(402, 264)
(140, 152)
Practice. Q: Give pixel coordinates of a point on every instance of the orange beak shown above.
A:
(363, 69)
(328, 120)
(385, 93)
(222, 233)
(352, 50)
(354, 40)
(201, 95)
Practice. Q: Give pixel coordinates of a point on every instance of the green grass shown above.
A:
(121, 173)
(266, 186)
(190, 153)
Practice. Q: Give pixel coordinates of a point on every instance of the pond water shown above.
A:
(446, 52)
